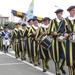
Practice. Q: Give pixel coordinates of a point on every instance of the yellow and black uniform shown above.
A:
(15, 40)
(1, 41)
(69, 27)
(58, 48)
(33, 43)
(1, 45)
(45, 55)
(25, 34)
(28, 44)
(21, 43)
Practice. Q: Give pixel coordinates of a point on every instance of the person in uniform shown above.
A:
(6, 38)
(32, 33)
(25, 34)
(1, 28)
(15, 40)
(10, 30)
(45, 55)
(28, 41)
(58, 48)
(69, 30)
(23, 40)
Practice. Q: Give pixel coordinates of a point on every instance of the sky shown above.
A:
(42, 8)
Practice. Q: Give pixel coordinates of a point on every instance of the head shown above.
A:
(35, 22)
(71, 10)
(42, 22)
(6, 28)
(17, 25)
(23, 26)
(59, 13)
(30, 22)
(46, 20)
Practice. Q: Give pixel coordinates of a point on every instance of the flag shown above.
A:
(30, 11)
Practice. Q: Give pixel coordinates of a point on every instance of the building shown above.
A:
(4, 19)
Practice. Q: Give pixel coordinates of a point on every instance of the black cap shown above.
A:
(58, 10)
(35, 18)
(71, 7)
(23, 24)
(30, 20)
(5, 25)
(46, 18)
(17, 23)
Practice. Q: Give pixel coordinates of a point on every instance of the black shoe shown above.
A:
(19, 56)
(44, 70)
(47, 67)
(24, 58)
(31, 62)
(63, 71)
(57, 74)
(16, 57)
(39, 63)
(35, 65)
(10, 47)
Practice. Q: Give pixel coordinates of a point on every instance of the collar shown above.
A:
(71, 18)
(44, 26)
(58, 20)
(41, 25)
(16, 29)
(35, 27)
(28, 26)
(21, 29)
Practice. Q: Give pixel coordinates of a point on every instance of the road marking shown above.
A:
(1, 53)
(38, 68)
(13, 52)
(10, 64)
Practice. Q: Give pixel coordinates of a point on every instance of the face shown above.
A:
(23, 27)
(72, 12)
(6, 28)
(36, 23)
(59, 15)
(42, 22)
(17, 26)
(46, 22)
(31, 22)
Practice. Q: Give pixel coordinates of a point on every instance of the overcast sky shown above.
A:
(42, 8)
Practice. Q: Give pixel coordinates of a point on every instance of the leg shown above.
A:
(39, 59)
(47, 63)
(38, 55)
(4, 48)
(74, 70)
(62, 66)
(7, 48)
(44, 65)
(57, 68)
(70, 70)
(35, 53)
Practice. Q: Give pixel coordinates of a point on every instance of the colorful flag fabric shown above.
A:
(30, 11)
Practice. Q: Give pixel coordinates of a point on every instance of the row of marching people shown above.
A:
(26, 40)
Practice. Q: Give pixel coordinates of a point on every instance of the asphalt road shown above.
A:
(9, 65)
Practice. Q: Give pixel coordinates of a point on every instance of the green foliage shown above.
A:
(11, 25)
